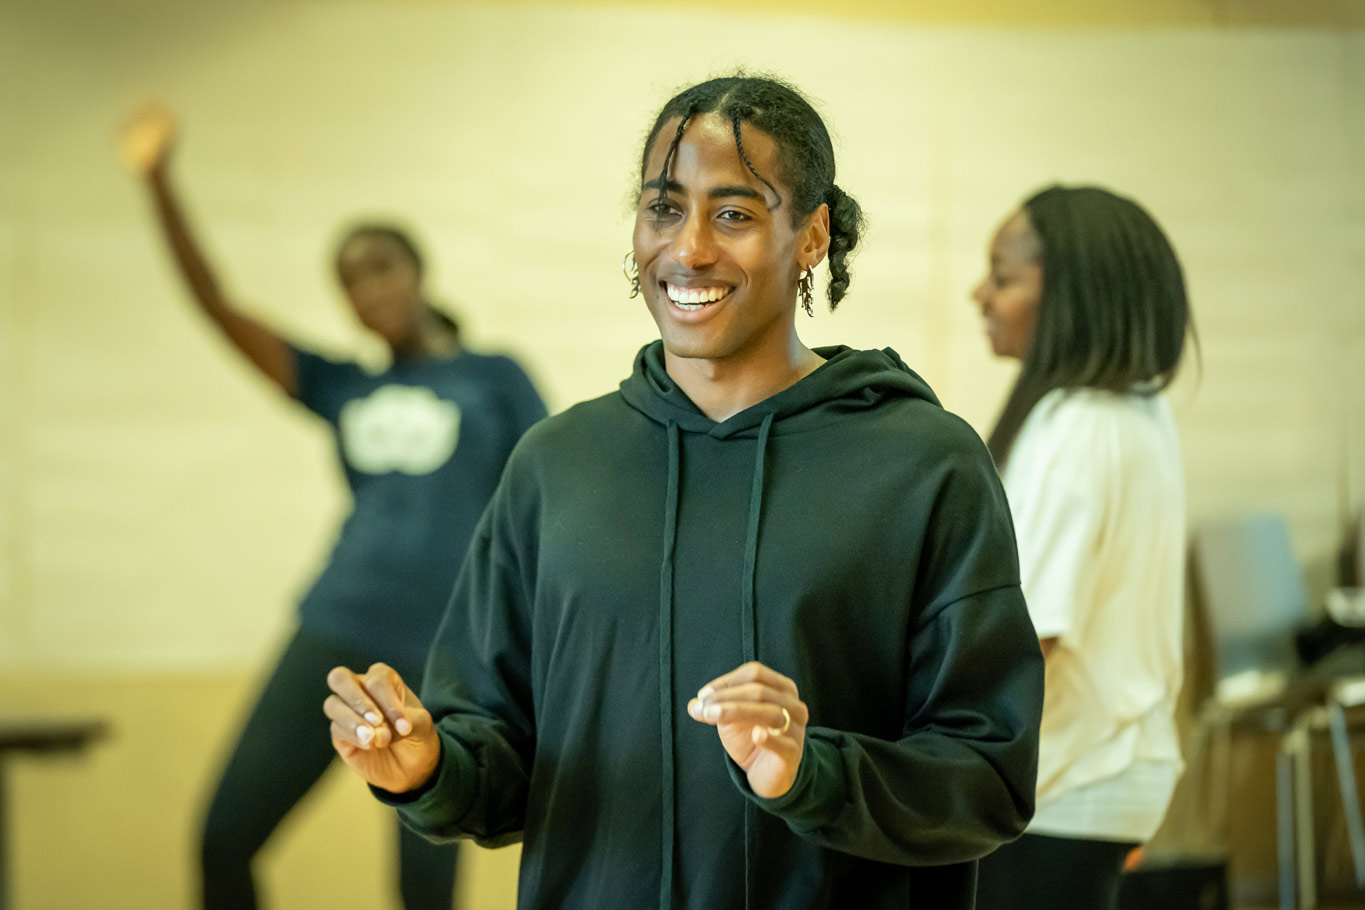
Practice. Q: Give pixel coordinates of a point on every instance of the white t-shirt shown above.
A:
(1096, 488)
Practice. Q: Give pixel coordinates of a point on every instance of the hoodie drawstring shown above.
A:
(666, 666)
(749, 615)
(749, 621)
(748, 639)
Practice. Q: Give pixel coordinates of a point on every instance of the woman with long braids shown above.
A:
(1085, 290)
(422, 444)
(747, 632)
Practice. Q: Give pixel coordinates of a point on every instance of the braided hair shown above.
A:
(1113, 313)
(805, 154)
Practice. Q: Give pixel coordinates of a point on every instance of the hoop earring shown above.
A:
(631, 272)
(805, 289)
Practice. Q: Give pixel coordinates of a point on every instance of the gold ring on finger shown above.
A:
(786, 724)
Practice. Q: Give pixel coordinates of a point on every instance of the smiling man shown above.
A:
(747, 632)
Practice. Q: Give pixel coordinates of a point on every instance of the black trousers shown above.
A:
(282, 752)
(1051, 873)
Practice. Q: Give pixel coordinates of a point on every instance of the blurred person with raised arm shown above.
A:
(422, 444)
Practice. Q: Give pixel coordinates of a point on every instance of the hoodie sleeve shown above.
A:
(478, 689)
(960, 780)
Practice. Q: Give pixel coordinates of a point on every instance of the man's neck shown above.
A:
(723, 388)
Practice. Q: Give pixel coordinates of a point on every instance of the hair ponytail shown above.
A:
(846, 225)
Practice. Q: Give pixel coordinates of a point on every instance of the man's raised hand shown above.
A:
(761, 720)
(380, 729)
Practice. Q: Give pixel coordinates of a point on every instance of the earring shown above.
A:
(631, 272)
(805, 288)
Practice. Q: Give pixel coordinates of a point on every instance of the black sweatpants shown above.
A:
(1051, 873)
(282, 752)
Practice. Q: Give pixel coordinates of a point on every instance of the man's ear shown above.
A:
(813, 245)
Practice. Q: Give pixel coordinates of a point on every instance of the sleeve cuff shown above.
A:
(447, 793)
(816, 796)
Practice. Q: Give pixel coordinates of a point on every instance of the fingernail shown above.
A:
(711, 712)
(373, 718)
(404, 726)
(694, 708)
(705, 693)
(364, 734)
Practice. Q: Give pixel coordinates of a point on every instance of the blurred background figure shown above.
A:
(422, 444)
(1085, 290)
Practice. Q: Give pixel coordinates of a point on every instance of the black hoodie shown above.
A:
(847, 532)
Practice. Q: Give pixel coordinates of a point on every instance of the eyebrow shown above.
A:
(716, 192)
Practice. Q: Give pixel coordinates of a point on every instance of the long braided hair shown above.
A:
(1113, 314)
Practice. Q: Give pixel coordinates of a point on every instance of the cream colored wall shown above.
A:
(165, 507)
(161, 508)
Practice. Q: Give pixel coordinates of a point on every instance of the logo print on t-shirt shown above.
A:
(399, 428)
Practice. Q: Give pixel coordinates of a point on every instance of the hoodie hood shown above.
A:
(849, 380)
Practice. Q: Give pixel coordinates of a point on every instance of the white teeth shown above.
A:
(694, 298)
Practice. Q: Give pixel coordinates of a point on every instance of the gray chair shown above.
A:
(1252, 590)
(1249, 582)
(1346, 606)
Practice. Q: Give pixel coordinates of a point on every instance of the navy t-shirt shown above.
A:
(423, 444)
